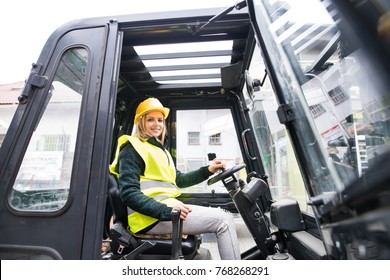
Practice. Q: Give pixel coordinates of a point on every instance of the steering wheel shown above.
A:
(225, 174)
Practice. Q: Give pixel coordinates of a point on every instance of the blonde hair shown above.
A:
(140, 130)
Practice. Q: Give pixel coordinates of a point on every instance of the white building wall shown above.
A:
(196, 121)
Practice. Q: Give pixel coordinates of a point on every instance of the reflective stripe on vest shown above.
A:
(157, 182)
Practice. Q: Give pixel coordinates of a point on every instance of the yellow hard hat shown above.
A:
(149, 105)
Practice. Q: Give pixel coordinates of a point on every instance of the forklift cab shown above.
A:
(296, 103)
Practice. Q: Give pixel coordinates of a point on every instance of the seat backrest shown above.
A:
(118, 207)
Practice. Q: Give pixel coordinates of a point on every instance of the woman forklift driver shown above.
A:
(149, 184)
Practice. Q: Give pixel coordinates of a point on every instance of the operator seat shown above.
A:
(126, 245)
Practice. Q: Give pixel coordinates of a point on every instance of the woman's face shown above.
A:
(154, 123)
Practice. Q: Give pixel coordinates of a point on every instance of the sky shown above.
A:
(25, 25)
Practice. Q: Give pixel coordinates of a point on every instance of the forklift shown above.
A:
(297, 103)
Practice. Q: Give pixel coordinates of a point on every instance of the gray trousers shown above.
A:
(208, 220)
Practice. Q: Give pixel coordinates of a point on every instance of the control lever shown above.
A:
(211, 157)
(177, 231)
(250, 176)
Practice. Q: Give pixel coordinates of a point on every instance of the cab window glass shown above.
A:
(210, 126)
(334, 87)
(277, 155)
(43, 181)
(27, 253)
(8, 101)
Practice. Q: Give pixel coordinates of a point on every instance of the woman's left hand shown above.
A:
(216, 165)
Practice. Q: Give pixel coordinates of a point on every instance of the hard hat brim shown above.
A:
(163, 110)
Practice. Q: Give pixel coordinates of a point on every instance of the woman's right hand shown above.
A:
(184, 210)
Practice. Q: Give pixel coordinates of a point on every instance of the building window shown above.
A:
(215, 139)
(193, 138)
(317, 110)
(337, 95)
(55, 142)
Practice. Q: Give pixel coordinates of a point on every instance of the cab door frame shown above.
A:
(75, 231)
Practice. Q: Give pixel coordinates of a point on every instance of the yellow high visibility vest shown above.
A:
(157, 182)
